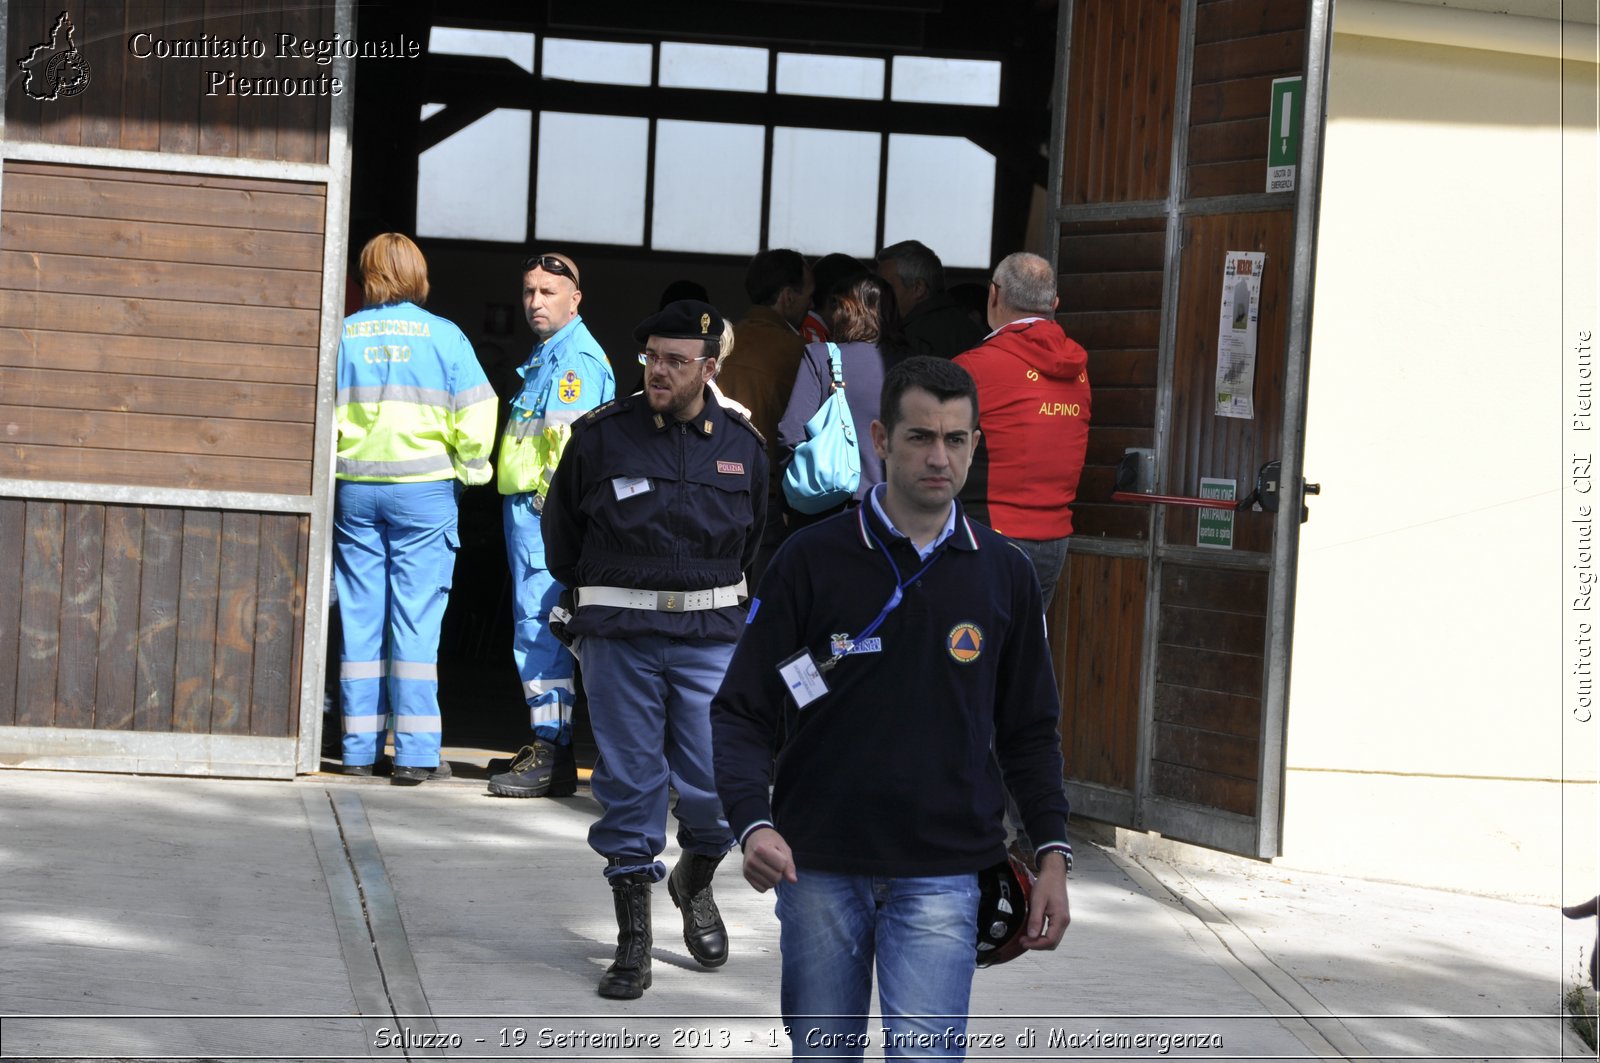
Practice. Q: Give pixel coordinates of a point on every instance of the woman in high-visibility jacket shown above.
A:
(416, 421)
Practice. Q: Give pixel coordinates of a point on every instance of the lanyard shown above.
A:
(894, 599)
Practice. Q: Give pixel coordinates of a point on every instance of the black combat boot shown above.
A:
(689, 886)
(629, 974)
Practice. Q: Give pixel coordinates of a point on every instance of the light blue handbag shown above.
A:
(826, 468)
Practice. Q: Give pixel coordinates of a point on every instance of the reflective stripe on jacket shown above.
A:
(412, 403)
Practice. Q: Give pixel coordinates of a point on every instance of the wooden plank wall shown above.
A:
(1097, 625)
(158, 329)
(1121, 84)
(150, 618)
(162, 104)
(1206, 740)
(1240, 46)
(1111, 279)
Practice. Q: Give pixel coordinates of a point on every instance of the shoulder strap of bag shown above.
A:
(836, 364)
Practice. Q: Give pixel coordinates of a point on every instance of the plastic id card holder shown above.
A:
(803, 678)
(628, 486)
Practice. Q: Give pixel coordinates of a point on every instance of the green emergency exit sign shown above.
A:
(1283, 133)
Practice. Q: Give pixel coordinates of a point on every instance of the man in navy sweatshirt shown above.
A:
(892, 643)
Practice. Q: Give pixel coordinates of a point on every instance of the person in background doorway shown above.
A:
(827, 271)
(760, 374)
(1033, 389)
(565, 377)
(934, 323)
(861, 311)
(416, 420)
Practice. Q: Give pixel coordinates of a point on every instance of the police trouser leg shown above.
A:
(360, 561)
(649, 705)
(422, 553)
(544, 665)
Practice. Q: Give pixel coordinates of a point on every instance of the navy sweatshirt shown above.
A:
(891, 773)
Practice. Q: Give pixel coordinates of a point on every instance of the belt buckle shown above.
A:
(670, 601)
(538, 503)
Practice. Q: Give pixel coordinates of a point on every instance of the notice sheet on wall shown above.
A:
(1236, 334)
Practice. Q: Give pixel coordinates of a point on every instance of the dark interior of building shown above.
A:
(409, 111)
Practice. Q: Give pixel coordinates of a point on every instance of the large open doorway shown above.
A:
(654, 150)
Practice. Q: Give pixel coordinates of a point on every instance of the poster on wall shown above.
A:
(1236, 334)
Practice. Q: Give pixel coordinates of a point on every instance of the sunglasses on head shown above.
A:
(551, 264)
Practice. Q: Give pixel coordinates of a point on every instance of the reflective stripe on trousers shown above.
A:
(544, 665)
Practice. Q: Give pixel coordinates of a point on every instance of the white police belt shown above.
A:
(662, 601)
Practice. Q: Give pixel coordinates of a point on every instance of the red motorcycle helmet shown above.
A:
(1003, 892)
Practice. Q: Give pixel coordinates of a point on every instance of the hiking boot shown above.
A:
(543, 769)
(629, 974)
(689, 886)
(382, 767)
(405, 776)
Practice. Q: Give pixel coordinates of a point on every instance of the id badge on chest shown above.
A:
(803, 678)
(628, 486)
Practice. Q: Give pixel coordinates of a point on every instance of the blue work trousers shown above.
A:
(543, 664)
(650, 706)
(393, 562)
(917, 932)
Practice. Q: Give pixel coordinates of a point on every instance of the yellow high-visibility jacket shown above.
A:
(412, 403)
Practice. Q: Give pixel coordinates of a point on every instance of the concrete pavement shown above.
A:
(341, 918)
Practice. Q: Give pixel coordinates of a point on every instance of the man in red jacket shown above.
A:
(1033, 398)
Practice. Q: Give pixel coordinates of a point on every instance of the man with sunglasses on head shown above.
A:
(652, 517)
(567, 375)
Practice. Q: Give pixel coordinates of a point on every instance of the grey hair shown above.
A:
(1026, 282)
(915, 262)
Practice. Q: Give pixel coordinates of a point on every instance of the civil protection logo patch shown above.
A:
(965, 642)
(570, 388)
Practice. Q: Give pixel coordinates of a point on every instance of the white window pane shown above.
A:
(708, 187)
(847, 76)
(919, 79)
(591, 178)
(824, 191)
(941, 191)
(431, 109)
(713, 66)
(602, 62)
(517, 47)
(473, 185)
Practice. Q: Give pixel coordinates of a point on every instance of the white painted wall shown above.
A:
(1428, 732)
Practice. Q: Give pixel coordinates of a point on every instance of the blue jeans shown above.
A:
(921, 935)
(1047, 555)
(650, 708)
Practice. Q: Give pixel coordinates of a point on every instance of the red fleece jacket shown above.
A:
(1033, 411)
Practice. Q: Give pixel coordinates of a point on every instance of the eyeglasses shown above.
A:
(551, 264)
(671, 361)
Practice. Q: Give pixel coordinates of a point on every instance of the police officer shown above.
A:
(652, 517)
(567, 375)
(415, 417)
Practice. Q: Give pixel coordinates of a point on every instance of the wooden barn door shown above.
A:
(171, 285)
(1173, 656)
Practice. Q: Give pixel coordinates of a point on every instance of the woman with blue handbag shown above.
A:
(865, 325)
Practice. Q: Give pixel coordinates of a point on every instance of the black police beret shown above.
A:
(686, 319)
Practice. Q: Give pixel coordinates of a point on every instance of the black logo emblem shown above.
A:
(55, 68)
